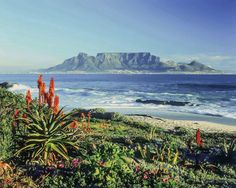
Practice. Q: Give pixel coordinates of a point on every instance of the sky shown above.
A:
(40, 34)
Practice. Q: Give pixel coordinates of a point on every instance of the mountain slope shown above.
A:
(142, 62)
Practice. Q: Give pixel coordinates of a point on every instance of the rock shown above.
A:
(5, 85)
(158, 102)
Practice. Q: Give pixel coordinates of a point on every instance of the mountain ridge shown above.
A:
(126, 62)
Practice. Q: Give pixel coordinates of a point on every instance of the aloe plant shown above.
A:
(47, 136)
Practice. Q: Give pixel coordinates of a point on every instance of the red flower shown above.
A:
(28, 98)
(24, 116)
(198, 138)
(73, 125)
(165, 180)
(56, 104)
(145, 176)
(16, 114)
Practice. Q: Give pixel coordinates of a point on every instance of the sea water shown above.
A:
(212, 97)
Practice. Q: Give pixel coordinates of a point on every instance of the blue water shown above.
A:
(212, 96)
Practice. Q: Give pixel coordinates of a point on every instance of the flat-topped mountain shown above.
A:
(121, 62)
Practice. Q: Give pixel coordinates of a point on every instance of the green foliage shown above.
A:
(230, 149)
(59, 181)
(8, 103)
(46, 137)
(98, 110)
(108, 163)
(152, 133)
(151, 153)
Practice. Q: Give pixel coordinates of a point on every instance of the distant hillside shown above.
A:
(121, 62)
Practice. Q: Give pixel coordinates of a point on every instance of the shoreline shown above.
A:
(173, 115)
(171, 124)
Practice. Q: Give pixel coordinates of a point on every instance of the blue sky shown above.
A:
(38, 34)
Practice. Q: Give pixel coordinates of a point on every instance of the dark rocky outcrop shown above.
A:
(141, 61)
(5, 85)
(158, 102)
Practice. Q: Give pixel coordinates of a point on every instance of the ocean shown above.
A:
(210, 97)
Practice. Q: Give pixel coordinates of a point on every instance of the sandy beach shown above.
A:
(170, 124)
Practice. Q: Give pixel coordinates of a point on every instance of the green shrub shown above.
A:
(8, 103)
(46, 137)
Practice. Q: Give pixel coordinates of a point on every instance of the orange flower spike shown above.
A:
(51, 87)
(16, 114)
(46, 96)
(40, 80)
(28, 98)
(56, 104)
(198, 138)
(42, 92)
(50, 100)
(40, 83)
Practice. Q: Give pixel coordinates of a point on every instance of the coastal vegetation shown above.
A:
(43, 145)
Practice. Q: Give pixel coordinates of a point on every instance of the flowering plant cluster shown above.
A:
(47, 137)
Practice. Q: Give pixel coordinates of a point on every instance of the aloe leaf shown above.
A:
(59, 151)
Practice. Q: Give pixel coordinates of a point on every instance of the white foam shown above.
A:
(212, 110)
(19, 87)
